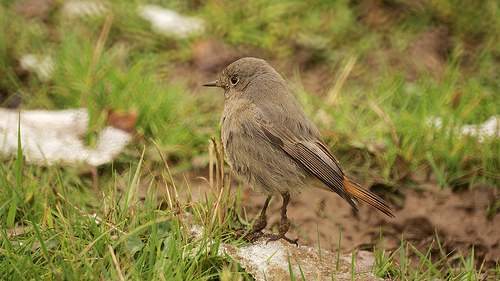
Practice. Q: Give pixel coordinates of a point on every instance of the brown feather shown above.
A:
(313, 157)
(356, 191)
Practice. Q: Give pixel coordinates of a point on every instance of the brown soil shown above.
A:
(458, 219)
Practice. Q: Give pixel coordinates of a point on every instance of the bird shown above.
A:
(272, 145)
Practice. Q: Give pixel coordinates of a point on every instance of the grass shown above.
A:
(451, 266)
(114, 60)
(57, 235)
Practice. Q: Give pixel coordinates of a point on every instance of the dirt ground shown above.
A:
(458, 219)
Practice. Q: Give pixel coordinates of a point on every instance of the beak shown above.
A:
(215, 83)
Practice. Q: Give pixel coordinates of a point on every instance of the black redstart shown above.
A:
(271, 143)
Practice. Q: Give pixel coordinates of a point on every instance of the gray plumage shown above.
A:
(271, 143)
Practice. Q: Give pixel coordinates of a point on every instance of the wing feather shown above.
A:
(313, 155)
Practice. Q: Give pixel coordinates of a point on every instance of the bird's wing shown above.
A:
(313, 155)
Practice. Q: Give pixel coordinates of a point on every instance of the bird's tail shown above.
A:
(356, 191)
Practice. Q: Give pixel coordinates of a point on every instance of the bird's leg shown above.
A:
(261, 221)
(284, 224)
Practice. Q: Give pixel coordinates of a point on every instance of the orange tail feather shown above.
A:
(356, 191)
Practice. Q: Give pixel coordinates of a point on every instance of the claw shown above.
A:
(250, 236)
(255, 233)
(274, 237)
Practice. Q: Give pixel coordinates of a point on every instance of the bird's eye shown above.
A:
(234, 80)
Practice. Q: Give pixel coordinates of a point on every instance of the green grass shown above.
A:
(48, 228)
(116, 61)
(408, 263)
(57, 234)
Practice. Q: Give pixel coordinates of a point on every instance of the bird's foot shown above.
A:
(253, 235)
(276, 237)
(250, 236)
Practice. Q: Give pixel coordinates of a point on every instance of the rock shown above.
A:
(272, 260)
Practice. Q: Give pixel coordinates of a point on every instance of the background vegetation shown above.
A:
(370, 74)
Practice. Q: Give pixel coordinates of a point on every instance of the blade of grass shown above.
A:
(45, 252)
(352, 264)
(290, 270)
(115, 262)
(338, 251)
(16, 198)
(319, 242)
